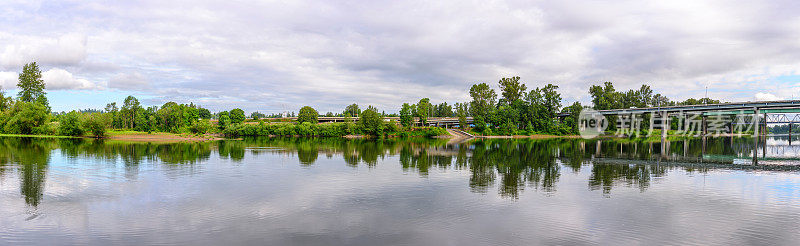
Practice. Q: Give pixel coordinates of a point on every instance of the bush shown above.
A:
(371, 122)
(24, 117)
(70, 124)
(307, 114)
(237, 116)
(201, 127)
(96, 123)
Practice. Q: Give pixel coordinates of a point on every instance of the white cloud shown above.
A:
(264, 55)
(8, 80)
(128, 81)
(60, 79)
(68, 49)
(766, 97)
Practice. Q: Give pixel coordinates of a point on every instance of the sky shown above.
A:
(276, 56)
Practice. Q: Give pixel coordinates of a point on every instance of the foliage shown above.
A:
(201, 127)
(203, 113)
(483, 99)
(70, 124)
(237, 116)
(5, 102)
(31, 85)
(352, 109)
(24, 117)
(97, 123)
(512, 89)
(371, 122)
(307, 114)
(406, 119)
(423, 110)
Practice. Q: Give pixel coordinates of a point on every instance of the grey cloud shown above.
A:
(263, 55)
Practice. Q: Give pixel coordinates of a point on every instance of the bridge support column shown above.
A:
(664, 129)
(704, 125)
(790, 134)
(756, 136)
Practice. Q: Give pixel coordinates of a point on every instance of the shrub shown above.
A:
(307, 114)
(70, 124)
(23, 117)
(201, 127)
(96, 123)
(371, 122)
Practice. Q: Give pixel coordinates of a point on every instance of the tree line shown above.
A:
(513, 110)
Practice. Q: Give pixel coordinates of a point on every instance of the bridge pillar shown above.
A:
(790, 134)
(756, 136)
(704, 125)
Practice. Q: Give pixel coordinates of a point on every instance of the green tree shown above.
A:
(203, 113)
(462, 109)
(483, 99)
(406, 119)
(25, 117)
(130, 107)
(31, 85)
(237, 116)
(444, 110)
(97, 123)
(70, 124)
(353, 110)
(5, 102)
(423, 110)
(371, 122)
(224, 121)
(512, 89)
(308, 114)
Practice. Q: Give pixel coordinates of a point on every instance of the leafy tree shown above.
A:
(571, 121)
(224, 121)
(444, 110)
(24, 117)
(203, 113)
(423, 110)
(512, 89)
(308, 114)
(371, 122)
(256, 115)
(353, 110)
(5, 102)
(237, 116)
(70, 124)
(96, 123)
(130, 108)
(462, 109)
(31, 85)
(483, 99)
(406, 119)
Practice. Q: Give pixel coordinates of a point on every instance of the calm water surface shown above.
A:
(399, 192)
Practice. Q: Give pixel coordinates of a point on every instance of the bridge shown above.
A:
(446, 122)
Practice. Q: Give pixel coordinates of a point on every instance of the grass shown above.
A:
(35, 136)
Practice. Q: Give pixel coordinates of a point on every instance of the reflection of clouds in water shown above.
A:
(275, 198)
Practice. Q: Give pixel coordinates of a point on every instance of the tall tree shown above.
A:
(130, 107)
(237, 116)
(423, 110)
(5, 102)
(512, 89)
(353, 110)
(406, 119)
(483, 99)
(308, 114)
(31, 85)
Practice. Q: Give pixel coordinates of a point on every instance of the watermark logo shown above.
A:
(591, 123)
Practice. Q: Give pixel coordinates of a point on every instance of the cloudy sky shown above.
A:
(274, 56)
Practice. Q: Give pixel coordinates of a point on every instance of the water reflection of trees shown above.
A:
(30, 157)
(509, 165)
